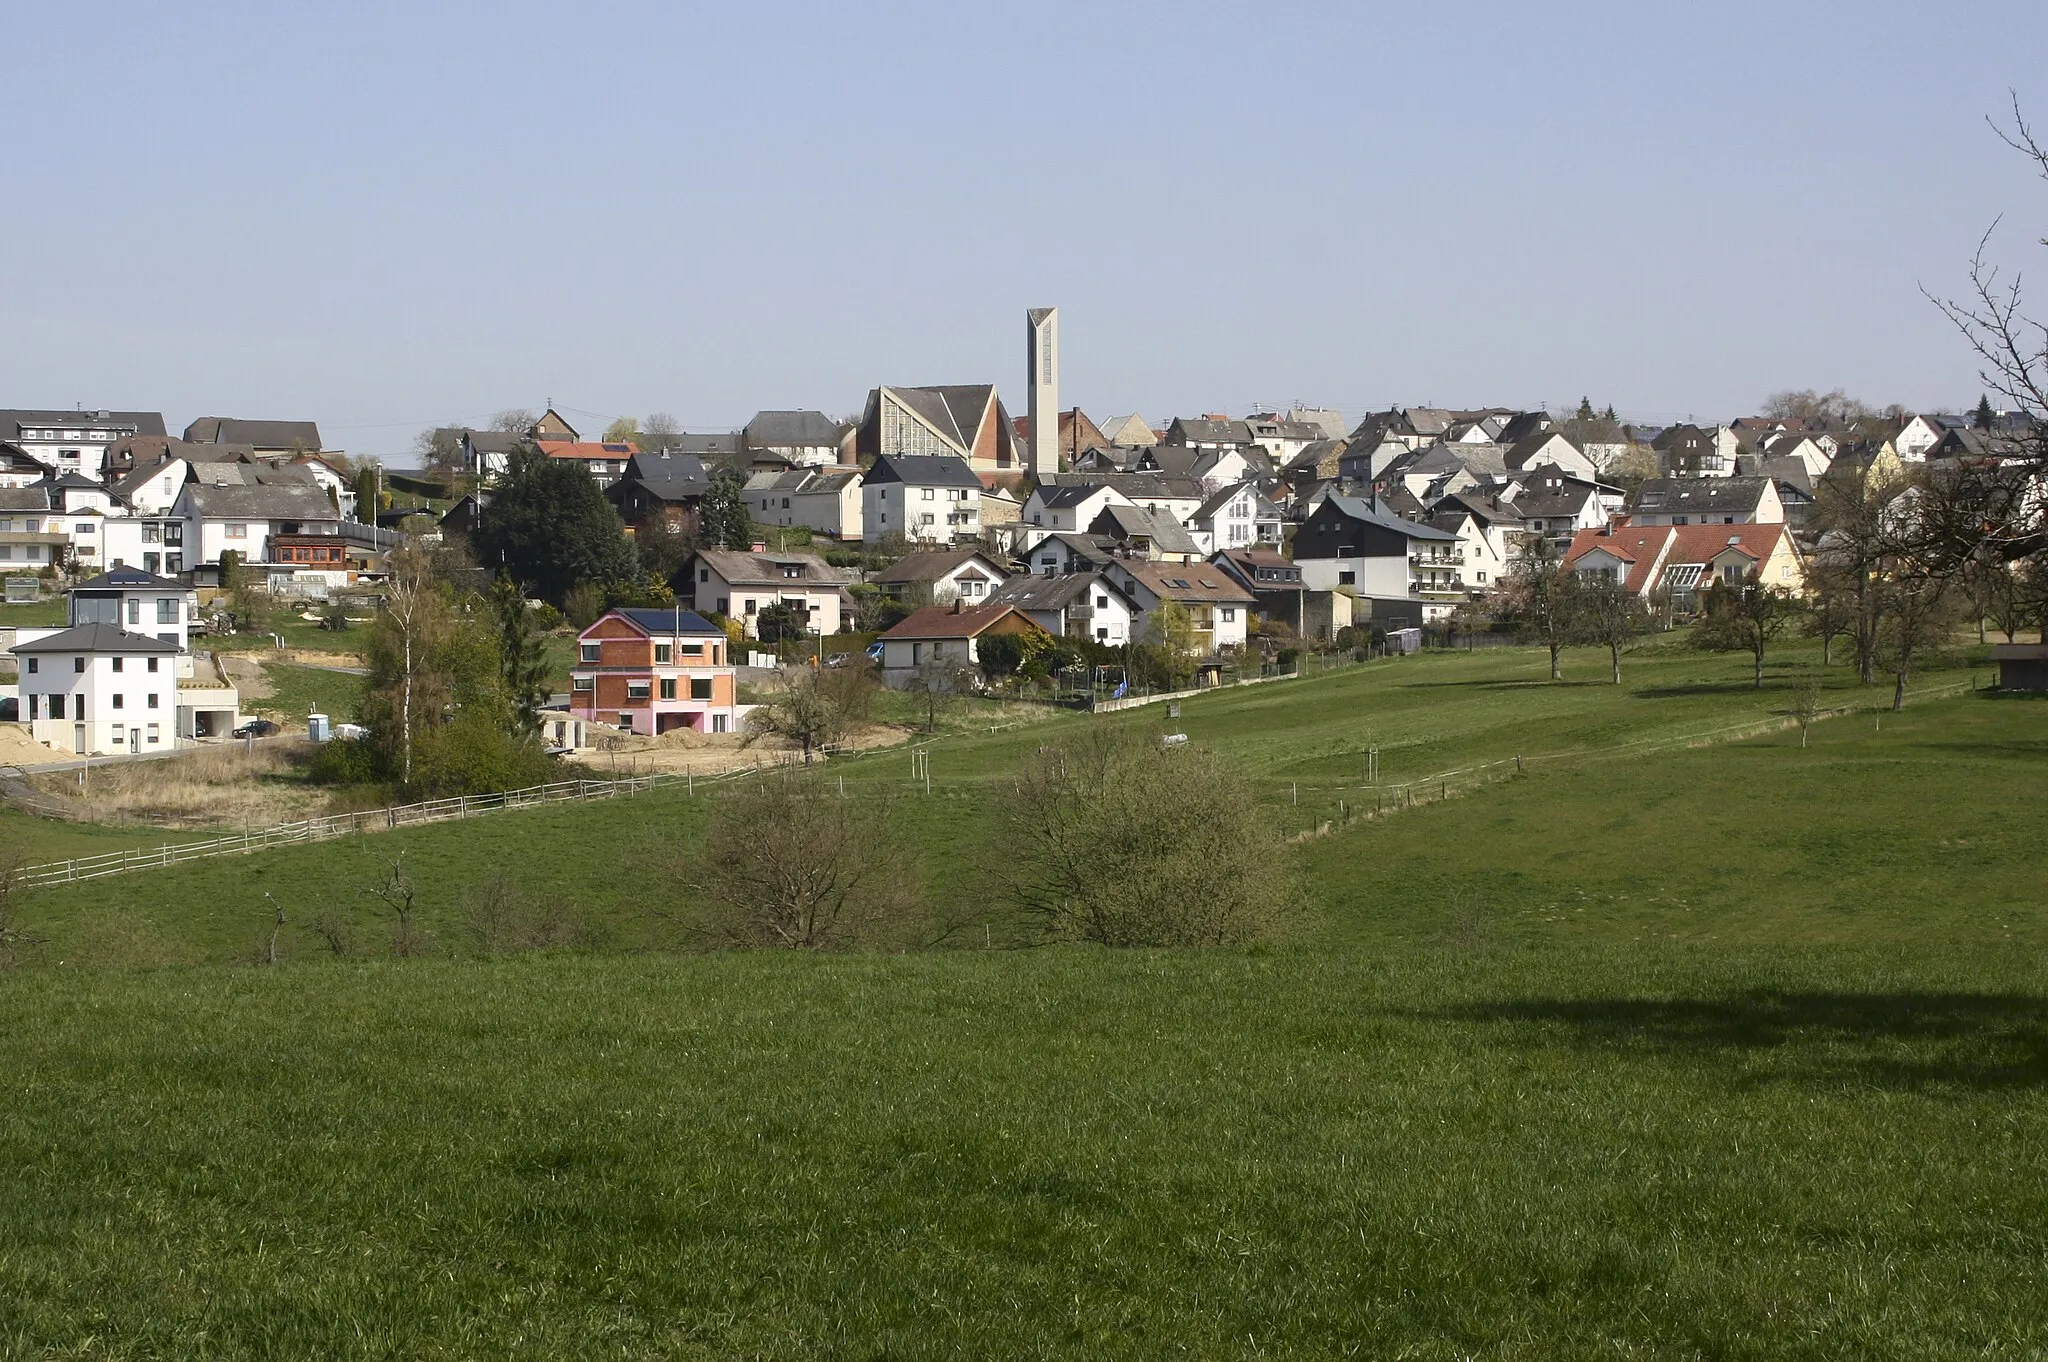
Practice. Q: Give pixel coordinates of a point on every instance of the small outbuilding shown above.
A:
(2021, 666)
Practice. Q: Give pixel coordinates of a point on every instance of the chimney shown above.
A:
(758, 546)
(956, 605)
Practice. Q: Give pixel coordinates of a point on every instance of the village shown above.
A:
(941, 545)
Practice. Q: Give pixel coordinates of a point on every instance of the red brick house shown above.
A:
(653, 671)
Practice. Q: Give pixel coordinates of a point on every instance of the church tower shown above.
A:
(1043, 358)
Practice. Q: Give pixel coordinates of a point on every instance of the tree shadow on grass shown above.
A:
(1701, 688)
(1529, 683)
(1909, 1041)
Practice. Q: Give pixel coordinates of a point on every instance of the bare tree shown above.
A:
(398, 893)
(1919, 622)
(936, 684)
(1745, 617)
(1607, 613)
(1855, 526)
(514, 421)
(415, 617)
(1807, 708)
(1830, 609)
(790, 863)
(808, 712)
(660, 428)
(1121, 841)
(1538, 598)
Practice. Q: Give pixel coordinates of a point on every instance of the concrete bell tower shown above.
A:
(1042, 360)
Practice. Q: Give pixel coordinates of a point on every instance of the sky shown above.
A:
(386, 216)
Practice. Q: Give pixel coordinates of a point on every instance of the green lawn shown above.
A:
(1732, 1051)
(43, 614)
(298, 691)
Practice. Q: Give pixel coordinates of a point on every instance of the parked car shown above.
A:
(875, 651)
(838, 660)
(255, 728)
(351, 732)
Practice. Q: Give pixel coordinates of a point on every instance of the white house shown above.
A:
(823, 500)
(948, 635)
(952, 575)
(1227, 520)
(74, 441)
(1218, 606)
(1075, 605)
(32, 536)
(741, 585)
(1920, 435)
(1069, 507)
(934, 498)
(1352, 545)
(1553, 448)
(246, 517)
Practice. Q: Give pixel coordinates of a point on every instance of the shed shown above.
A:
(2021, 666)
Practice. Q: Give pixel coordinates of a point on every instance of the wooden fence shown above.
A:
(346, 824)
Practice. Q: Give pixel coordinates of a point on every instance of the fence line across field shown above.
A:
(346, 824)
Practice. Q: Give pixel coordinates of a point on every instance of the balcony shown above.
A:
(1439, 590)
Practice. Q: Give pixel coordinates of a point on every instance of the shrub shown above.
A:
(1122, 841)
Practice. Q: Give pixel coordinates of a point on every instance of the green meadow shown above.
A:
(1681, 1041)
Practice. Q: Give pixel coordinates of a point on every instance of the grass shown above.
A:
(1734, 1051)
(297, 691)
(44, 614)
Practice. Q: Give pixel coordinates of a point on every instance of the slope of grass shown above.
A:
(1736, 1051)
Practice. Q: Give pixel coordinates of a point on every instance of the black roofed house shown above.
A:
(1553, 448)
(1065, 551)
(662, 488)
(967, 421)
(118, 678)
(18, 468)
(1069, 505)
(1686, 451)
(1140, 532)
(739, 585)
(1556, 505)
(265, 437)
(941, 578)
(1353, 544)
(74, 441)
(924, 498)
(487, 454)
(1075, 605)
(798, 438)
(1708, 501)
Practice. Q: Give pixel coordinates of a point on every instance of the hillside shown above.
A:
(1736, 1050)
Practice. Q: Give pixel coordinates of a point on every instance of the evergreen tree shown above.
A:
(522, 655)
(1585, 411)
(722, 520)
(549, 528)
(1981, 417)
(366, 494)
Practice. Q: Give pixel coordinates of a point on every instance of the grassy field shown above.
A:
(1731, 1051)
(297, 691)
(44, 614)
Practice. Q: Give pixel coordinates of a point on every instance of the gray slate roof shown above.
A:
(96, 638)
(1365, 511)
(289, 501)
(34, 497)
(231, 430)
(14, 420)
(791, 430)
(1701, 496)
(923, 470)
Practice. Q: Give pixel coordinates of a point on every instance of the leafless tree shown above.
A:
(1538, 598)
(1607, 613)
(1808, 707)
(1854, 525)
(936, 684)
(1918, 623)
(789, 862)
(807, 711)
(1746, 617)
(514, 421)
(399, 894)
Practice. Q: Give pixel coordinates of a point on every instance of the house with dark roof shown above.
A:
(797, 438)
(739, 585)
(1686, 451)
(947, 636)
(660, 488)
(74, 441)
(1352, 544)
(1069, 506)
(1707, 501)
(265, 437)
(1075, 605)
(943, 577)
(246, 516)
(1208, 432)
(1280, 595)
(966, 421)
(1230, 519)
(1178, 496)
(1140, 532)
(655, 671)
(926, 498)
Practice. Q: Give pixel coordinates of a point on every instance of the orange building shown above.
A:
(652, 671)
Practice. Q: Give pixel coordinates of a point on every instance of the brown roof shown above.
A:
(928, 567)
(765, 569)
(1187, 581)
(949, 621)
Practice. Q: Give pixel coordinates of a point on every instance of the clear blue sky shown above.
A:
(387, 215)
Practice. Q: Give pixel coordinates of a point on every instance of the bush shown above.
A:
(832, 875)
(1122, 841)
(345, 761)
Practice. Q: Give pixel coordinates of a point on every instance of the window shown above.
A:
(78, 665)
(1347, 578)
(120, 700)
(57, 706)
(235, 531)
(82, 527)
(152, 699)
(134, 610)
(693, 650)
(700, 688)
(625, 723)
(119, 731)
(749, 607)
(590, 652)
(118, 663)
(153, 738)
(637, 690)
(662, 652)
(703, 574)
(1229, 614)
(928, 494)
(792, 570)
(668, 688)
(32, 665)
(583, 683)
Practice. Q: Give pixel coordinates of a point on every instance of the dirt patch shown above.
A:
(247, 675)
(710, 753)
(18, 749)
(320, 657)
